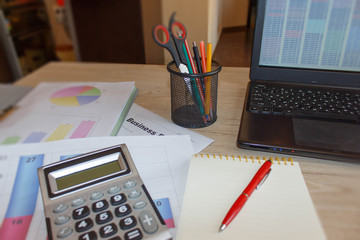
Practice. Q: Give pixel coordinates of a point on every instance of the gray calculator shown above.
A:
(99, 195)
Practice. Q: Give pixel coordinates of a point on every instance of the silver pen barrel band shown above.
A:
(245, 195)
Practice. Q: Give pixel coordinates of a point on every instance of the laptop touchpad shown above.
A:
(327, 135)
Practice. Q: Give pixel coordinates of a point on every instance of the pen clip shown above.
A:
(264, 179)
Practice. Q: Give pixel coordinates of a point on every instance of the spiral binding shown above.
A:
(249, 158)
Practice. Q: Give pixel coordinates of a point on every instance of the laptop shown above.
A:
(9, 95)
(303, 97)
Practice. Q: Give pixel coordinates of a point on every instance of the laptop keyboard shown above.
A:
(299, 102)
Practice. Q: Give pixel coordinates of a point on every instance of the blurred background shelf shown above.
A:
(26, 39)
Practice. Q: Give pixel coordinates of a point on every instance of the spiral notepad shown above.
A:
(280, 209)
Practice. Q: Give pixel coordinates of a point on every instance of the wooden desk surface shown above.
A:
(334, 186)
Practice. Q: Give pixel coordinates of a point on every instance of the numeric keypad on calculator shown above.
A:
(107, 214)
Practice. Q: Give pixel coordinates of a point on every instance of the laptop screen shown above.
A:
(315, 34)
(307, 41)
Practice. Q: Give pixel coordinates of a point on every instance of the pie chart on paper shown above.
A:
(75, 96)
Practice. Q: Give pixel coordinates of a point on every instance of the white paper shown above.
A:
(281, 208)
(56, 111)
(171, 154)
(141, 121)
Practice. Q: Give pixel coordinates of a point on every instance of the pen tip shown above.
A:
(194, 44)
(222, 227)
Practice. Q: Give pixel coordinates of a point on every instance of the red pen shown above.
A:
(256, 182)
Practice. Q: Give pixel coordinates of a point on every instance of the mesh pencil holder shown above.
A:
(194, 96)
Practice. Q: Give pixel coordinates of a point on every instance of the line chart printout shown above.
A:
(56, 111)
(22, 214)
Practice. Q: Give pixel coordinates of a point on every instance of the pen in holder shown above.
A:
(194, 96)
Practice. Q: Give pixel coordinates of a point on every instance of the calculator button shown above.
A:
(148, 222)
(122, 210)
(135, 234)
(115, 238)
(130, 184)
(81, 212)
(61, 219)
(64, 232)
(96, 195)
(134, 193)
(139, 205)
(60, 208)
(104, 217)
(118, 199)
(127, 223)
(100, 206)
(78, 202)
(113, 189)
(83, 225)
(108, 230)
(88, 236)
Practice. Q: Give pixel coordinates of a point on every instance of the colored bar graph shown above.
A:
(60, 132)
(163, 205)
(23, 199)
(11, 140)
(83, 129)
(35, 137)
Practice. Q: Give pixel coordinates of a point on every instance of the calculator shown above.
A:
(99, 195)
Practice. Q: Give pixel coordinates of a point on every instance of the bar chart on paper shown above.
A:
(163, 205)
(23, 199)
(56, 111)
(74, 128)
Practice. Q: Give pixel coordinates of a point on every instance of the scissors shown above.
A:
(173, 42)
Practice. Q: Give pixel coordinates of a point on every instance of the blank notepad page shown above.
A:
(280, 209)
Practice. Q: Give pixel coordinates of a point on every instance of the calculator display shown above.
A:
(68, 177)
(87, 175)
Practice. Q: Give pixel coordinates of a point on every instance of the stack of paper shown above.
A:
(56, 111)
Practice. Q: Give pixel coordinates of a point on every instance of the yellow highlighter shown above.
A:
(208, 103)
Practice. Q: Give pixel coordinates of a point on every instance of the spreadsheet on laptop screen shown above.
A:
(314, 34)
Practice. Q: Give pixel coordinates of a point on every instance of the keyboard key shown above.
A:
(60, 208)
(140, 204)
(80, 212)
(122, 210)
(130, 184)
(62, 219)
(134, 194)
(135, 234)
(114, 189)
(115, 238)
(118, 199)
(108, 230)
(127, 223)
(84, 225)
(78, 202)
(99, 206)
(88, 236)
(104, 217)
(96, 196)
(148, 222)
(64, 232)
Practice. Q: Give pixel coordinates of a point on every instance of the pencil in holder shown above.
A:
(194, 96)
